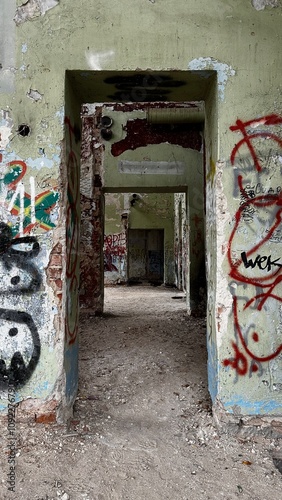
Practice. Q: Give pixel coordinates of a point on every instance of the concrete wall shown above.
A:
(229, 55)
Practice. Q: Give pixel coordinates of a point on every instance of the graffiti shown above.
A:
(18, 263)
(109, 265)
(142, 87)
(263, 262)
(72, 235)
(114, 251)
(21, 212)
(249, 137)
(252, 191)
(24, 361)
(258, 188)
(20, 343)
(24, 211)
(258, 268)
(115, 244)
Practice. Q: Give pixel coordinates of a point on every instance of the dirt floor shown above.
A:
(142, 427)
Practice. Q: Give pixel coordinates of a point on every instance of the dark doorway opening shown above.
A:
(146, 255)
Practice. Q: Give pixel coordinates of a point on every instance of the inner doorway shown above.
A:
(146, 255)
(143, 148)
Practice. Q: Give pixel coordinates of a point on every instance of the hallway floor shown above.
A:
(142, 427)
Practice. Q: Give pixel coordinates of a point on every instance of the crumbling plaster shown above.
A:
(31, 9)
(262, 4)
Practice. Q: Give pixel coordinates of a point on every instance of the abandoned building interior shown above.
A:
(156, 162)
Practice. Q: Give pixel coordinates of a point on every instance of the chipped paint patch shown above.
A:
(24, 48)
(223, 71)
(251, 407)
(96, 60)
(61, 115)
(44, 162)
(261, 4)
(5, 133)
(33, 9)
(6, 125)
(34, 95)
(46, 5)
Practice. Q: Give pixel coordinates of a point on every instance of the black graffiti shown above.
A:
(19, 372)
(142, 87)
(12, 255)
(18, 253)
(5, 237)
(262, 262)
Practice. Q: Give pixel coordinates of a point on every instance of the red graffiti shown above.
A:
(238, 270)
(114, 248)
(72, 239)
(248, 137)
(255, 338)
(108, 264)
(255, 267)
(115, 244)
(239, 362)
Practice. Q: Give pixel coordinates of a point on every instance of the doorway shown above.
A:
(120, 90)
(146, 255)
(144, 148)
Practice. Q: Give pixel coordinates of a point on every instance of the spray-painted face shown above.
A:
(18, 272)
(20, 347)
(19, 340)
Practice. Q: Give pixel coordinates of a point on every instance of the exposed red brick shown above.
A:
(54, 273)
(57, 249)
(59, 284)
(55, 260)
(46, 418)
